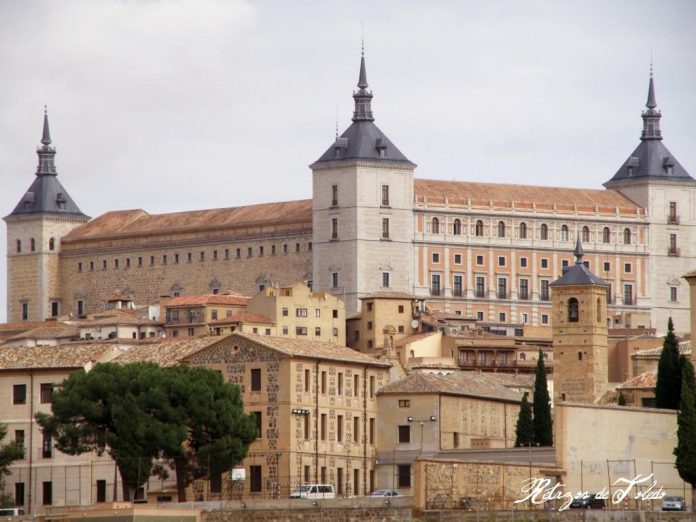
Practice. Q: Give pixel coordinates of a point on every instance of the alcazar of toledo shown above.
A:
(485, 251)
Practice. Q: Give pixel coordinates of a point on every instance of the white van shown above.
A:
(314, 491)
(11, 512)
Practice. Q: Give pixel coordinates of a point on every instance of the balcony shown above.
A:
(672, 219)
(435, 290)
(673, 251)
(502, 294)
(457, 292)
(628, 300)
(523, 295)
(480, 293)
(544, 296)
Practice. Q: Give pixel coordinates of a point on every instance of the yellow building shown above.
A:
(190, 316)
(298, 312)
(316, 409)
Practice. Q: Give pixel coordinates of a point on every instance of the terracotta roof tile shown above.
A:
(165, 352)
(134, 222)
(387, 294)
(242, 317)
(481, 194)
(644, 381)
(684, 349)
(48, 332)
(207, 299)
(469, 384)
(71, 355)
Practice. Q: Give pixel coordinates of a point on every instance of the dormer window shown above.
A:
(61, 201)
(381, 148)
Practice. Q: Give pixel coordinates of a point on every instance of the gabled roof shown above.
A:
(466, 384)
(207, 299)
(389, 294)
(48, 332)
(644, 381)
(165, 352)
(72, 355)
(684, 349)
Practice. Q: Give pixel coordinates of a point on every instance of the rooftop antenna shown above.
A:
(336, 121)
(362, 50)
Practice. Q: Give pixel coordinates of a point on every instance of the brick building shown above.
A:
(485, 251)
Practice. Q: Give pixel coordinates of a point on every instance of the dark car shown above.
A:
(590, 501)
(673, 504)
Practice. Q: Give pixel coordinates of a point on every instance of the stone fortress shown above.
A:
(479, 250)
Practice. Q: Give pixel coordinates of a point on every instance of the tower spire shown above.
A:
(578, 252)
(651, 117)
(46, 153)
(363, 97)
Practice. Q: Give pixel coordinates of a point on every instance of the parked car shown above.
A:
(11, 512)
(673, 504)
(314, 491)
(588, 502)
(385, 493)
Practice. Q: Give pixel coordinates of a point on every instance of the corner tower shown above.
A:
(362, 210)
(654, 179)
(579, 326)
(42, 217)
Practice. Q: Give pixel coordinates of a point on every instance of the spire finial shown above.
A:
(362, 97)
(651, 103)
(46, 136)
(578, 253)
(336, 121)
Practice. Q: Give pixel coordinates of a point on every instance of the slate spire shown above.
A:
(651, 117)
(578, 252)
(46, 153)
(363, 97)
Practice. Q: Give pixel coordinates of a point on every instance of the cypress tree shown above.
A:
(621, 400)
(686, 431)
(524, 432)
(543, 431)
(669, 372)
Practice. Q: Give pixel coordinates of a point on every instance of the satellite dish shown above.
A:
(414, 324)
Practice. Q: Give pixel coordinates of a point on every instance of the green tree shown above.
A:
(524, 432)
(686, 431)
(218, 433)
(8, 454)
(543, 430)
(621, 399)
(669, 372)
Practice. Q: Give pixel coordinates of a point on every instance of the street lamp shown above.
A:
(422, 422)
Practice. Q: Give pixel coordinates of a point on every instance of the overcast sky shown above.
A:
(178, 105)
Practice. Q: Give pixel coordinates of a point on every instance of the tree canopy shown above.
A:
(686, 431)
(524, 432)
(140, 412)
(9, 452)
(543, 430)
(669, 372)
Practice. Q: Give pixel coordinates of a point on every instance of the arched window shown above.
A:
(501, 229)
(573, 312)
(599, 310)
(523, 356)
(523, 231)
(544, 231)
(585, 234)
(479, 228)
(52, 244)
(564, 233)
(627, 236)
(606, 235)
(457, 228)
(19, 246)
(32, 244)
(435, 226)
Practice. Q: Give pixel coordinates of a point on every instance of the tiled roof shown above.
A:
(311, 349)
(644, 381)
(413, 338)
(608, 397)
(165, 352)
(135, 222)
(386, 294)
(242, 317)
(684, 349)
(482, 194)
(48, 332)
(72, 355)
(469, 384)
(207, 299)
(115, 317)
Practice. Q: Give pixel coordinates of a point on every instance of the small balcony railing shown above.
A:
(673, 219)
(673, 252)
(435, 290)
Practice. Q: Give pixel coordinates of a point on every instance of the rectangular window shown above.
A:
(525, 318)
(524, 289)
(480, 286)
(436, 257)
(79, 267)
(115, 263)
(372, 430)
(628, 294)
(502, 317)
(404, 403)
(307, 423)
(46, 392)
(356, 429)
(322, 426)
(479, 316)
(104, 264)
(340, 384)
(25, 311)
(307, 380)
(323, 383)
(356, 481)
(273, 250)
(339, 481)
(502, 288)
(250, 251)
(372, 386)
(80, 307)
(322, 475)
(101, 490)
(385, 195)
(19, 493)
(404, 474)
(544, 263)
(339, 428)
(128, 262)
(334, 280)
(479, 260)
(405, 434)
(334, 195)
(19, 394)
(523, 262)
(385, 228)
(215, 255)
(307, 473)
(261, 251)
(501, 260)
(673, 293)
(300, 330)
(544, 319)
(457, 259)
(317, 331)
(46, 446)
(544, 290)
(385, 279)
(202, 256)
(256, 379)
(91, 265)
(627, 268)
(673, 219)
(259, 424)
(334, 228)
(356, 385)
(55, 308)
(301, 312)
(455, 440)
(607, 266)
(255, 481)
(435, 284)
(47, 493)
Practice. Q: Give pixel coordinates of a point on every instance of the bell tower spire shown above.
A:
(46, 153)
(363, 97)
(651, 117)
